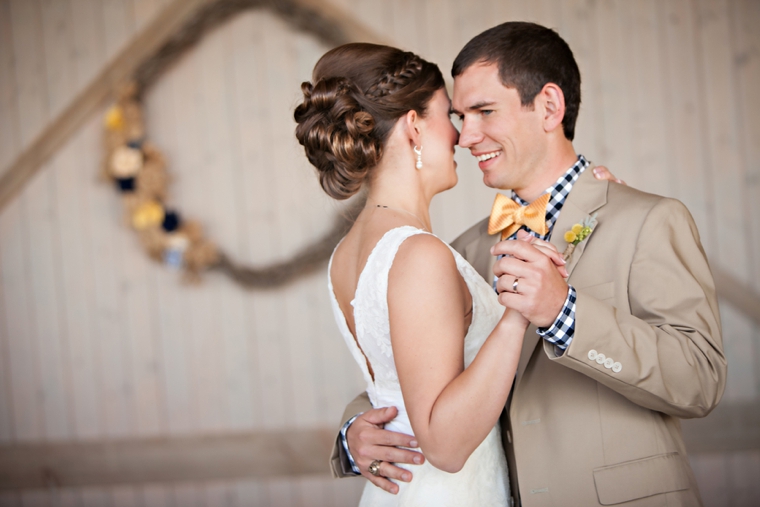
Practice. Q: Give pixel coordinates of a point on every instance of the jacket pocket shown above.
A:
(640, 478)
(600, 291)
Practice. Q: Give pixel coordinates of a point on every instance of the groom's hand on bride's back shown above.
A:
(368, 441)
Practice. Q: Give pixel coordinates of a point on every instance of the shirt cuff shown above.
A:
(344, 443)
(561, 332)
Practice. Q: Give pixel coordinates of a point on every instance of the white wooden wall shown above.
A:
(97, 342)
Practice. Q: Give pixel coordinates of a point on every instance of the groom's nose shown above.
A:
(469, 136)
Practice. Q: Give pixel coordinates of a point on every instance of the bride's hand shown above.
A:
(545, 248)
(602, 173)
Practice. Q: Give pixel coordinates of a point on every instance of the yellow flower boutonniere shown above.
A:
(577, 233)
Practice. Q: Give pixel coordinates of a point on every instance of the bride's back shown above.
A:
(351, 256)
(483, 479)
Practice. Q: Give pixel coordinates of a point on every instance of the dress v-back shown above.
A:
(483, 481)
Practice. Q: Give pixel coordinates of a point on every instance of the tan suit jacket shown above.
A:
(576, 432)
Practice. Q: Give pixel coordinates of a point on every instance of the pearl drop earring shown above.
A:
(418, 151)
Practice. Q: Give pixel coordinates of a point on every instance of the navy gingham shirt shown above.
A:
(560, 333)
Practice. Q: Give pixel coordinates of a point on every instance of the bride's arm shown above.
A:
(451, 409)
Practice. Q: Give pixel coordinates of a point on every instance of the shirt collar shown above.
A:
(558, 192)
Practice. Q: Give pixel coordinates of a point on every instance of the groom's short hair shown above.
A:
(528, 56)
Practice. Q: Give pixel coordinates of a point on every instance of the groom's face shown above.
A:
(507, 139)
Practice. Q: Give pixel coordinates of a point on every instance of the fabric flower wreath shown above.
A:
(577, 233)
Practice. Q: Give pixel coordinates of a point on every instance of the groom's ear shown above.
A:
(552, 101)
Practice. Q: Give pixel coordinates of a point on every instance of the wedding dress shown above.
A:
(483, 481)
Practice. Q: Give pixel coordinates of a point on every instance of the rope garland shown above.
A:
(138, 169)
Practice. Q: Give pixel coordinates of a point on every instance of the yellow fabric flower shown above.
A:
(114, 118)
(577, 228)
(570, 236)
(148, 214)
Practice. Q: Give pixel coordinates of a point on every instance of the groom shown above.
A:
(619, 351)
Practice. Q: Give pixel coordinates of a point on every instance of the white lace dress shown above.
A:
(483, 481)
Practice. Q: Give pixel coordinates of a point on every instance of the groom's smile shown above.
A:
(487, 156)
(487, 160)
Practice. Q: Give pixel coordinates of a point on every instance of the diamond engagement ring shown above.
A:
(374, 468)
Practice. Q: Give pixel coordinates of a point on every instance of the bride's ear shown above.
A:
(412, 124)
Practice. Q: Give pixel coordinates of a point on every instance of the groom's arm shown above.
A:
(340, 463)
(667, 353)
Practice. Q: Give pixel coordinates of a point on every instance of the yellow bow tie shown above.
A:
(507, 216)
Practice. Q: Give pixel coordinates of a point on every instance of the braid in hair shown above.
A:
(398, 78)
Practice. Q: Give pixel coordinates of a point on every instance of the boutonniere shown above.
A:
(576, 234)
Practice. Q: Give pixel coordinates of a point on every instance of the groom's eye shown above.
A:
(486, 112)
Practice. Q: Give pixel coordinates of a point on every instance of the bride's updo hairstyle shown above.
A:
(358, 92)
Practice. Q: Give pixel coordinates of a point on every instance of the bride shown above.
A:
(426, 330)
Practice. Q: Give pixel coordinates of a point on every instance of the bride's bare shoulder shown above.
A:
(423, 255)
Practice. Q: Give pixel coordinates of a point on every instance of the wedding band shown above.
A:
(514, 285)
(374, 468)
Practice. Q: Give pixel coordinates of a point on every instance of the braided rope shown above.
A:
(202, 254)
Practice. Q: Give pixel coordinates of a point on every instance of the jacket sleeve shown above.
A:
(339, 464)
(666, 354)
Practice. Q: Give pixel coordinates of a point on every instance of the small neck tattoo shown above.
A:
(381, 206)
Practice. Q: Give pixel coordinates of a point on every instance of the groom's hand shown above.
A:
(368, 441)
(541, 289)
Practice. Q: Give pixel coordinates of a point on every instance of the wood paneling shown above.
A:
(21, 360)
(251, 455)
(728, 478)
(745, 41)
(10, 142)
(97, 342)
(34, 95)
(731, 428)
(726, 181)
(687, 164)
(281, 492)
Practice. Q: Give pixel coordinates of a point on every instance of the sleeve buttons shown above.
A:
(607, 362)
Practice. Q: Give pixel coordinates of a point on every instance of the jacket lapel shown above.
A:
(587, 196)
(529, 345)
